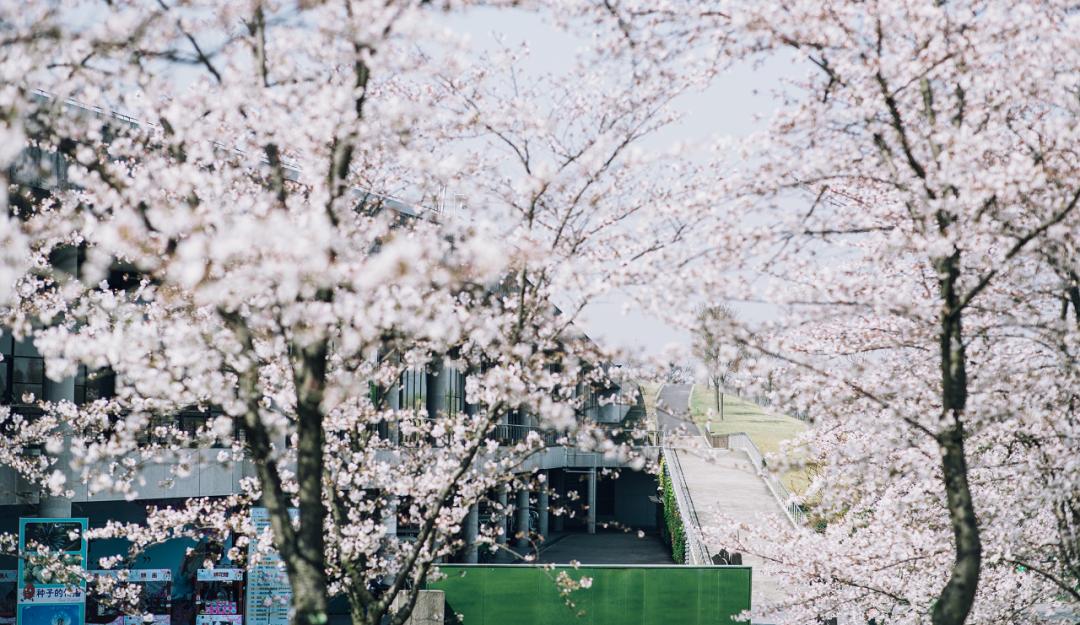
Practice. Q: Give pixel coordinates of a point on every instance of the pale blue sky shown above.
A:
(735, 105)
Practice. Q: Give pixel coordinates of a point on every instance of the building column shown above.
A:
(393, 401)
(64, 261)
(389, 523)
(471, 407)
(592, 501)
(560, 519)
(501, 539)
(472, 530)
(542, 509)
(50, 506)
(522, 542)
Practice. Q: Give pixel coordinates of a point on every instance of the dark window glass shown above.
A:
(191, 420)
(605, 497)
(455, 391)
(27, 378)
(80, 385)
(121, 279)
(93, 385)
(413, 389)
(4, 384)
(6, 344)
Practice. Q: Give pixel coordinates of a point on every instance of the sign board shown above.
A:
(219, 619)
(47, 595)
(268, 592)
(220, 575)
(219, 596)
(155, 599)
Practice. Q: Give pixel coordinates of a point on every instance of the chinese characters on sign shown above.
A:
(268, 592)
(218, 597)
(51, 586)
(155, 598)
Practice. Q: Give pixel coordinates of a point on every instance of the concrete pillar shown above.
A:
(592, 501)
(393, 401)
(66, 261)
(472, 529)
(63, 390)
(389, 518)
(542, 510)
(471, 407)
(389, 523)
(502, 515)
(560, 520)
(522, 542)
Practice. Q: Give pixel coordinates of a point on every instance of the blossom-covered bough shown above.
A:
(912, 210)
(235, 162)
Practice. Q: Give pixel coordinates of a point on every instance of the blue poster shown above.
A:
(269, 595)
(51, 614)
(46, 596)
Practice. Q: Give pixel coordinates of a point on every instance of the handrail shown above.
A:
(513, 433)
(696, 549)
(788, 502)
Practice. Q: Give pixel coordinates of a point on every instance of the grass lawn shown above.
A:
(766, 429)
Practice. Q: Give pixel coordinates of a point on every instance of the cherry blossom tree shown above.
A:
(912, 210)
(241, 161)
(721, 361)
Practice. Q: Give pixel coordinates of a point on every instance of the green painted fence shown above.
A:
(619, 595)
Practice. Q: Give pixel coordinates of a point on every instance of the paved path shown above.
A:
(724, 482)
(721, 482)
(673, 411)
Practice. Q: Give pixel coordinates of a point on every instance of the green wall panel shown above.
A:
(620, 595)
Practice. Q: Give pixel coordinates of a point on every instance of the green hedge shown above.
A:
(672, 519)
(520, 594)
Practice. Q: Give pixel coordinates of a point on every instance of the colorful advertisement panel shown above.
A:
(219, 596)
(155, 599)
(50, 594)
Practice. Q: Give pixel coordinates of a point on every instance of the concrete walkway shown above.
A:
(673, 410)
(720, 481)
(724, 482)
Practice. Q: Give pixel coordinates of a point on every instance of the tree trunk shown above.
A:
(302, 550)
(954, 603)
(309, 588)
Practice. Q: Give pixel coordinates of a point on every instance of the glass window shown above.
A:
(27, 372)
(80, 385)
(93, 385)
(190, 421)
(413, 389)
(455, 391)
(5, 366)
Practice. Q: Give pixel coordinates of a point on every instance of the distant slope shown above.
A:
(766, 429)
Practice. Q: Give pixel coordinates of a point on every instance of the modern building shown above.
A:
(627, 501)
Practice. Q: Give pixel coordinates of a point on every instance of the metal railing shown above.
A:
(512, 434)
(697, 552)
(784, 497)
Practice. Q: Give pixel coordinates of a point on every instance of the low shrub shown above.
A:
(672, 519)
